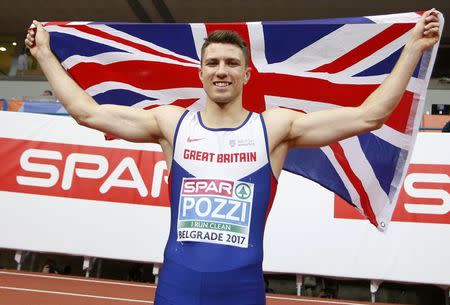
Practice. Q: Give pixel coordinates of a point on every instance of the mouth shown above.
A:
(221, 84)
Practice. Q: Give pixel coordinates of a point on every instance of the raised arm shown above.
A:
(288, 128)
(127, 123)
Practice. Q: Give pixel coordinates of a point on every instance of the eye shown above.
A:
(211, 63)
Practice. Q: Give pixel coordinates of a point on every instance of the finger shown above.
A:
(429, 13)
(38, 25)
(29, 43)
(432, 25)
(431, 32)
(32, 26)
(434, 13)
(31, 34)
(432, 18)
(31, 30)
(30, 38)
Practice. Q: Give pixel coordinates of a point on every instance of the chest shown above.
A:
(231, 153)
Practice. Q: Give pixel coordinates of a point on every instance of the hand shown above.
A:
(426, 32)
(38, 40)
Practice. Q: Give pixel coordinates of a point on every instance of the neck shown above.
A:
(227, 115)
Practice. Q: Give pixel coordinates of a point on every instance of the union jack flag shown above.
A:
(303, 65)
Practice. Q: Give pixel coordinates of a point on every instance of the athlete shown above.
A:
(224, 161)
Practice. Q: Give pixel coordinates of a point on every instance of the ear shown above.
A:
(200, 73)
(248, 72)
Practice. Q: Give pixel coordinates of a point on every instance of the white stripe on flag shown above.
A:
(161, 95)
(199, 34)
(395, 18)
(114, 57)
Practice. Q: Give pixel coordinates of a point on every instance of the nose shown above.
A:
(221, 70)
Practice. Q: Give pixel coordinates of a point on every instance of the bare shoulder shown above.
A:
(169, 112)
(167, 118)
(279, 123)
(278, 115)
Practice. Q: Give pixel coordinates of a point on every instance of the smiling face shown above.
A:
(223, 72)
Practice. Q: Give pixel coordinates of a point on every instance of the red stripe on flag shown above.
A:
(356, 182)
(185, 103)
(273, 191)
(140, 74)
(318, 90)
(60, 23)
(365, 49)
(315, 90)
(400, 117)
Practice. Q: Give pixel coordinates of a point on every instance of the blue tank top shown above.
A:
(221, 191)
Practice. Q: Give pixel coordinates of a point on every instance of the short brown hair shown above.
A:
(229, 37)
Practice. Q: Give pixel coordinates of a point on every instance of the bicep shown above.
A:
(322, 128)
(128, 123)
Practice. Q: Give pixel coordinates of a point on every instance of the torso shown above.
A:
(221, 190)
(220, 160)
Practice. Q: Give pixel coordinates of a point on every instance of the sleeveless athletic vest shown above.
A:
(221, 190)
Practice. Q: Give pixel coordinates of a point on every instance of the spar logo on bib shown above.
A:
(215, 211)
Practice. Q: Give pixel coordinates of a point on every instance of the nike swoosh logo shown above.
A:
(189, 139)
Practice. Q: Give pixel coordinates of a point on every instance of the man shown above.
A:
(225, 161)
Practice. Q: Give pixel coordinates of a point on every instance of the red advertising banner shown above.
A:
(84, 172)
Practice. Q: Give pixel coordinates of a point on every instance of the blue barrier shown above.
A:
(43, 106)
(4, 104)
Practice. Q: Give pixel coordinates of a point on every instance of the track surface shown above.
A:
(26, 288)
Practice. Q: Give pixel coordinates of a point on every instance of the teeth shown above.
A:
(221, 84)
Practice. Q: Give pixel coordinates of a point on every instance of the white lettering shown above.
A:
(222, 203)
(236, 205)
(227, 187)
(188, 203)
(189, 186)
(200, 185)
(244, 211)
(75, 158)
(136, 182)
(422, 208)
(158, 175)
(211, 187)
(208, 207)
(29, 166)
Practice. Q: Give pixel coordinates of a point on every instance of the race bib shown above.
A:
(215, 211)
